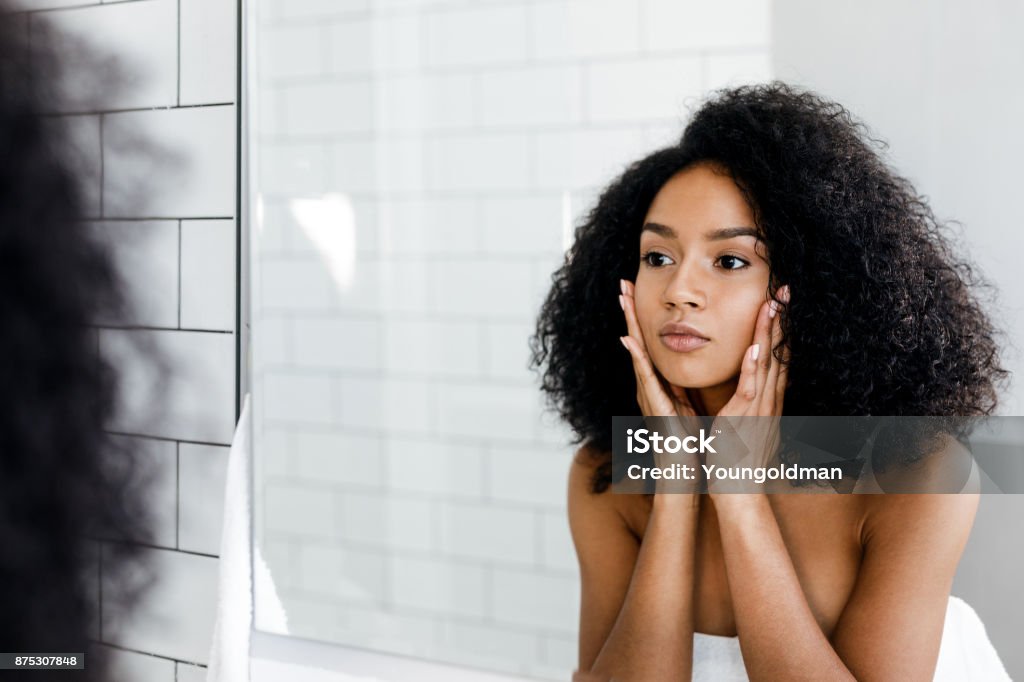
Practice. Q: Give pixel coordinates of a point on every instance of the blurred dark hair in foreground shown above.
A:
(69, 491)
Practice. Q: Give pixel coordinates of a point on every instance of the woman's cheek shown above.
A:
(745, 336)
(642, 318)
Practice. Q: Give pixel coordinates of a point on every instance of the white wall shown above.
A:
(178, 257)
(941, 83)
(419, 167)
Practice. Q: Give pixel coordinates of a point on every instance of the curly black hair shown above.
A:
(884, 317)
(68, 487)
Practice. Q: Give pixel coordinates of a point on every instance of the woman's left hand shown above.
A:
(747, 427)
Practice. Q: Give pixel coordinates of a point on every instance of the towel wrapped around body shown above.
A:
(965, 654)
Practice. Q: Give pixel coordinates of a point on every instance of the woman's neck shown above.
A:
(709, 401)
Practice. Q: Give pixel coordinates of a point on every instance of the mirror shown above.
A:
(416, 171)
(416, 174)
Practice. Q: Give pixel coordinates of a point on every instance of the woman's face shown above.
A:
(701, 265)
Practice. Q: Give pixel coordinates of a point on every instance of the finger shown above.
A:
(629, 309)
(641, 392)
(637, 349)
(783, 378)
(648, 386)
(783, 381)
(655, 390)
(763, 338)
(746, 389)
(768, 397)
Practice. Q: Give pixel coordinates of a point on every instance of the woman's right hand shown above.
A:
(656, 397)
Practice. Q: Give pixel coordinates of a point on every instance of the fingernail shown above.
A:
(622, 285)
(772, 309)
(784, 294)
(755, 351)
(622, 302)
(622, 340)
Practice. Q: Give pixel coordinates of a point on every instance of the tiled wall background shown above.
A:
(177, 255)
(419, 167)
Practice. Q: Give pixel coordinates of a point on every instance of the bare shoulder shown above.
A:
(625, 508)
(947, 467)
(912, 543)
(586, 463)
(606, 550)
(907, 516)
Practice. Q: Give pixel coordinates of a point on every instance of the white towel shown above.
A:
(718, 658)
(965, 654)
(229, 651)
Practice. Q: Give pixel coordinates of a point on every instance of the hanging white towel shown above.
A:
(229, 651)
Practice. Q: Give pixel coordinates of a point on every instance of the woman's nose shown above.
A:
(685, 288)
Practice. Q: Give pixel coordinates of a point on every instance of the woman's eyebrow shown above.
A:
(730, 232)
(712, 236)
(659, 229)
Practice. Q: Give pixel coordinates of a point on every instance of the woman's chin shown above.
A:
(683, 379)
(691, 371)
(695, 374)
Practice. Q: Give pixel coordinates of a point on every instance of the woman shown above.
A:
(65, 482)
(767, 264)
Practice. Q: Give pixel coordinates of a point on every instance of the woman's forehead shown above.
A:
(699, 199)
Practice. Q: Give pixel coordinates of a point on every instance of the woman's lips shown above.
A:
(682, 337)
(683, 343)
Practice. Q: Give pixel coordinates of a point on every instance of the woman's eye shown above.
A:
(733, 262)
(655, 259)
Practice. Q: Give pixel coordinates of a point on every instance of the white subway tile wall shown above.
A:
(86, 149)
(192, 161)
(156, 461)
(142, 36)
(195, 402)
(174, 618)
(202, 472)
(208, 274)
(189, 673)
(158, 157)
(207, 72)
(146, 253)
(411, 489)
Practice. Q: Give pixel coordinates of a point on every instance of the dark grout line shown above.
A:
(148, 545)
(139, 219)
(240, 183)
(178, 92)
(163, 329)
(130, 110)
(102, 166)
(121, 647)
(177, 496)
(83, 5)
(185, 441)
(179, 274)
